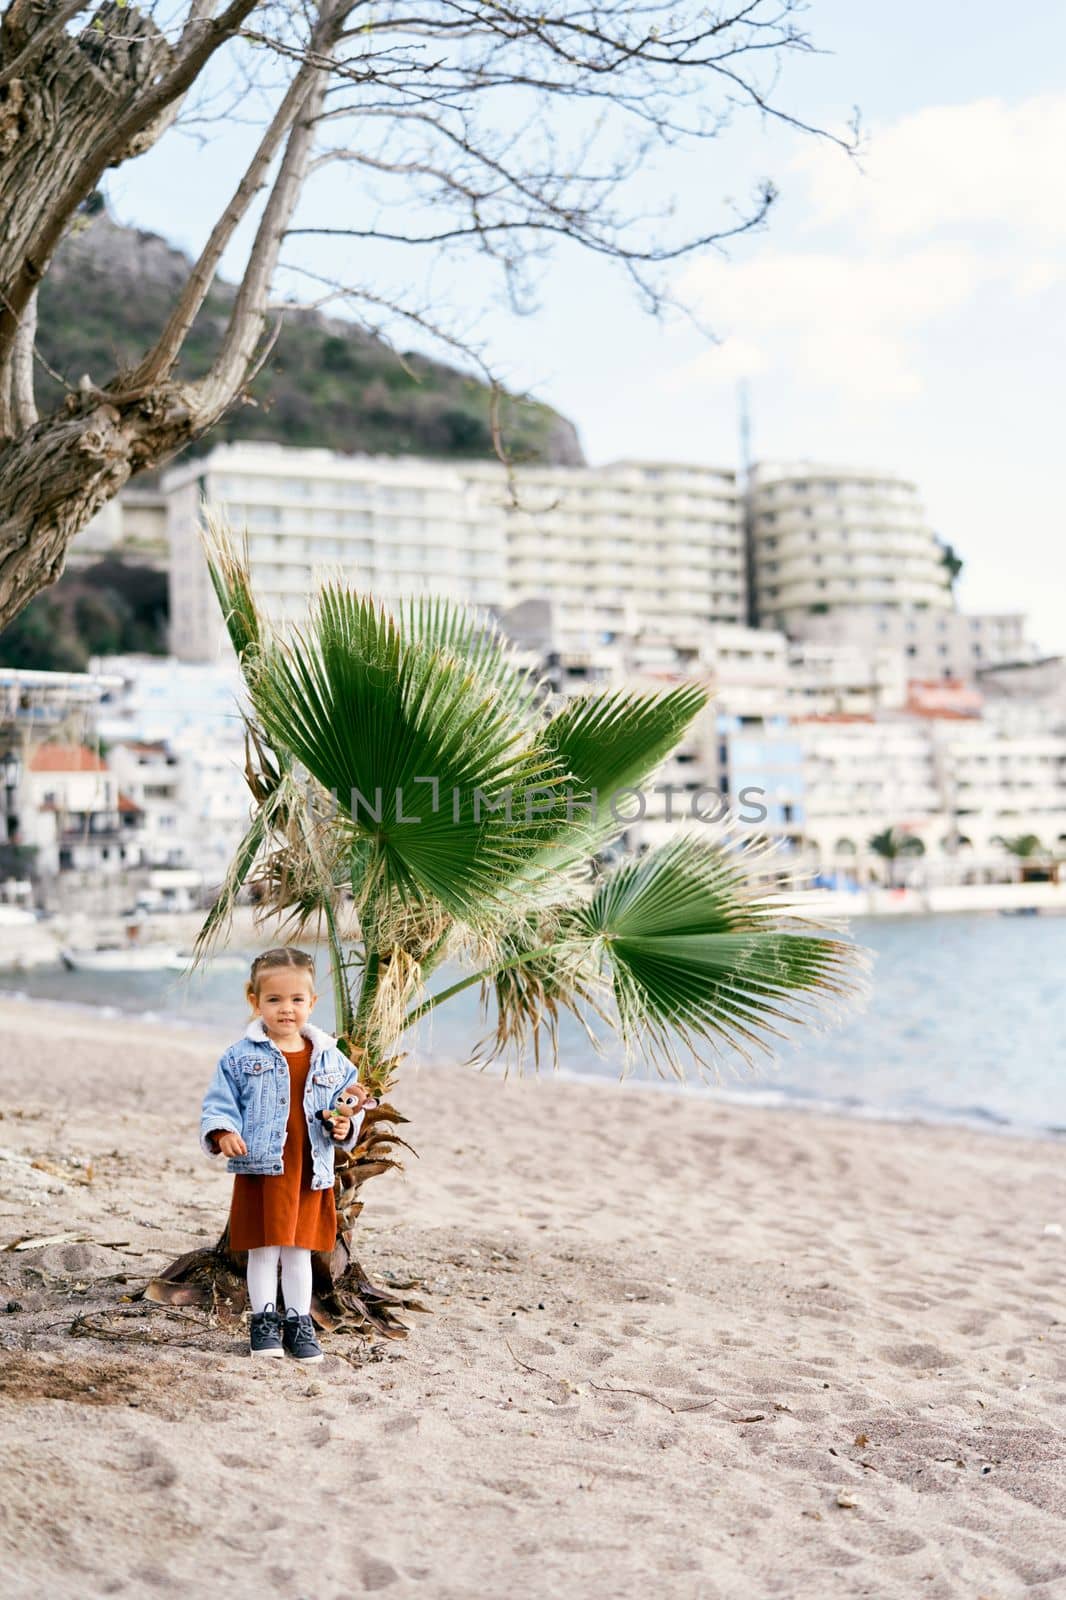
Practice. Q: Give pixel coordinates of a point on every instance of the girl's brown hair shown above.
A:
(283, 956)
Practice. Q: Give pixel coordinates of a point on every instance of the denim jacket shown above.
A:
(249, 1095)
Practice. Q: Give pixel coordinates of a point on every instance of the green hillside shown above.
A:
(110, 289)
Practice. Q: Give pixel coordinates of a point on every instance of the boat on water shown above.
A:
(124, 958)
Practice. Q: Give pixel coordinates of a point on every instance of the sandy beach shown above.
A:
(676, 1348)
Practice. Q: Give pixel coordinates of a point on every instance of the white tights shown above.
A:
(295, 1278)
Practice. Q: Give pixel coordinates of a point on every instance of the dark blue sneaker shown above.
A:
(300, 1339)
(266, 1339)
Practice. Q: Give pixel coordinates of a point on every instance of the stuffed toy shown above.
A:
(349, 1103)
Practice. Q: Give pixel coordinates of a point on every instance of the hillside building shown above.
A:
(614, 549)
(826, 539)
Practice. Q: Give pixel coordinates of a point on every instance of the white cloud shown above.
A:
(955, 213)
(842, 320)
(981, 166)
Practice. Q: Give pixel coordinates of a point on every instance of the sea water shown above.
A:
(964, 1022)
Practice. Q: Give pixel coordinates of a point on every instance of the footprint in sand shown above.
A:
(377, 1574)
(917, 1355)
(401, 1424)
(151, 1469)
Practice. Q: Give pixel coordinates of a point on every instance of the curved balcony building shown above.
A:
(828, 540)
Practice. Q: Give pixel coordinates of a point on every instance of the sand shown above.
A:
(678, 1348)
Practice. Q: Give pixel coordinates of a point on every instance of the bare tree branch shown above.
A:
(248, 319)
(160, 361)
(23, 403)
(112, 146)
(491, 129)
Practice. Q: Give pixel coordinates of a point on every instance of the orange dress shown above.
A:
(285, 1210)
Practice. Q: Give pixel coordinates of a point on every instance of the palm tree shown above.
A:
(951, 561)
(1028, 851)
(892, 844)
(419, 800)
(1022, 845)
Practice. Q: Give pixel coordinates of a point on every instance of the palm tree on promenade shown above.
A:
(1021, 845)
(419, 801)
(1035, 864)
(893, 844)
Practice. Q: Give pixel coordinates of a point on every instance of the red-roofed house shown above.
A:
(74, 815)
(66, 758)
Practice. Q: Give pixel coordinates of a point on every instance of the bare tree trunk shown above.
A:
(56, 475)
(106, 94)
(91, 102)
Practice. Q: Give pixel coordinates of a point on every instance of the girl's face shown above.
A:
(284, 1000)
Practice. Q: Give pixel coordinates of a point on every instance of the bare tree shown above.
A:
(509, 126)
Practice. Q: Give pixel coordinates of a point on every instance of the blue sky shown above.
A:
(910, 314)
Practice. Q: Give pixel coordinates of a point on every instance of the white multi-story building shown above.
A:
(189, 714)
(960, 785)
(157, 698)
(827, 538)
(148, 775)
(614, 549)
(392, 526)
(931, 642)
(74, 815)
(864, 775)
(628, 548)
(1006, 777)
(844, 678)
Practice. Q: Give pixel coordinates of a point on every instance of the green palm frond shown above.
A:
(370, 735)
(441, 625)
(696, 959)
(423, 760)
(610, 744)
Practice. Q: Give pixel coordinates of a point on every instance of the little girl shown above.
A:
(263, 1111)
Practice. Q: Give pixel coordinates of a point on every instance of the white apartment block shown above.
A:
(157, 698)
(628, 548)
(148, 775)
(829, 538)
(395, 527)
(182, 721)
(862, 776)
(932, 642)
(1006, 777)
(73, 813)
(614, 549)
(747, 669)
(959, 785)
(854, 679)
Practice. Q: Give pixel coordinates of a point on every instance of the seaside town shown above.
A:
(905, 755)
(630, 1164)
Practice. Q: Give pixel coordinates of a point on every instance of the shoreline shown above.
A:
(761, 1096)
(38, 944)
(673, 1347)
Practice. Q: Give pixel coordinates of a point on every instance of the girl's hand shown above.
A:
(230, 1144)
(340, 1127)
